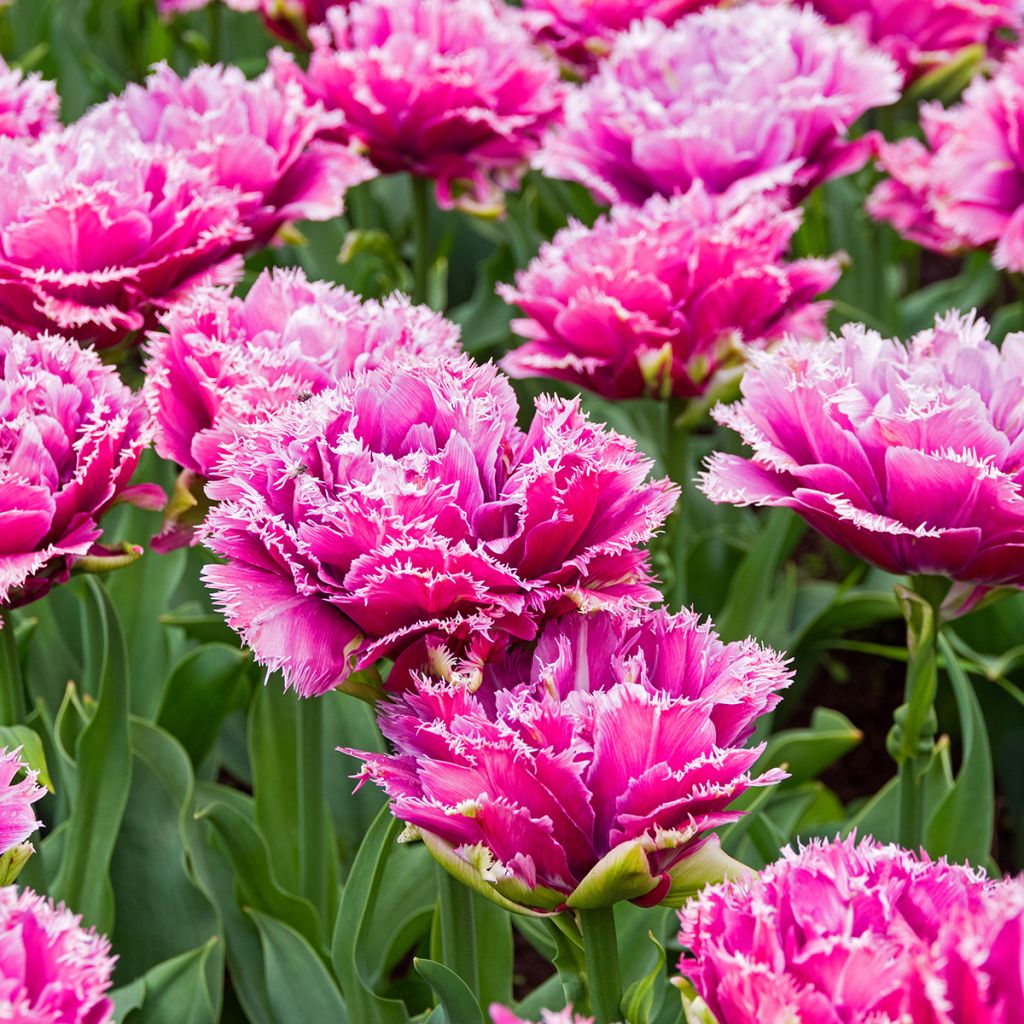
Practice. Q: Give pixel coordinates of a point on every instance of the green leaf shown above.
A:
(32, 753)
(298, 984)
(104, 762)
(355, 914)
(182, 990)
(204, 687)
(961, 826)
(806, 753)
(453, 996)
(639, 1001)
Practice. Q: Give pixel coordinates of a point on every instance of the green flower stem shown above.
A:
(420, 237)
(12, 688)
(601, 957)
(912, 737)
(312, 808)
(676, 454)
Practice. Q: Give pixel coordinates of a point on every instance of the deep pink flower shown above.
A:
(657, 300)
(98, 230)
(830, 933)
(965, 187)
(500, 1015)
(975, 973)
(70, 438)
(225, 361)
(594, 778)
(743, 98)
(52, 971)
(922, 35)
(406, 508)
(911, 457)
(452, 90)
(258, 136)
(290, 19)
(581, 32)
(17, 820)
(28, 103)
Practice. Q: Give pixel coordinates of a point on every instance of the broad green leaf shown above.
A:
(183, 990)
(960, 828)
(104, 764)
(644, 995)
(299, 986)
(807, 752)
(457, 1003)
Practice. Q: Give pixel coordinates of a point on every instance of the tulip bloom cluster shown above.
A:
(851, 932)
(656, 300)
(908, 456)
(223, 362)
(70, 438)
(964, 186)
(405, 510)
(28, 103)
(52, 971)
(593, 774)
(451, 90)
(743, 98)
(259, 137)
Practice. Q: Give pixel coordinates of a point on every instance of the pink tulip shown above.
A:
(658, 300)
(405, 509)
(500, 1015)
(743, 99)
(911, 457)
(17, 819)
(595, 774)
(28, 103)
(451, 90)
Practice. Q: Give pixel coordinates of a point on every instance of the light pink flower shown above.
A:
(28, 103)
(223, 361)
(911, 457)
(829, 933)
(405, 509)
(500, 1015)
(743, 98)
(596, 774)
(965, 187)
(975, 973)
(923, 35)
(656, 300)
(258, 136)
(98, 230)
(52, 971)
(17, 820)
(581, 32)
(70, 438)
(452, 90)
(170, 7)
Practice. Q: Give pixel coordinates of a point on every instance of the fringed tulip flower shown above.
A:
(28, 103)
(98, 230)
(452, 90)
(223, 361)
(258, 136)
(657, 300)
(52, 971)
(405, 510)
(17, 819)
(500, 1015)
(964, 187)
(70, 438)
(923, 35)
(831, 933)
(911, 457)
(581, 32)
(974, 974)
(597, 777)
(743, 98)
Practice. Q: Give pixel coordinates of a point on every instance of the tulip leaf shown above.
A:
(457, 1003)
(104, 764)
(961, 826)
(638, 1003)
(182, 990)
(806, 753)
(32, 752)
(299, 986)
